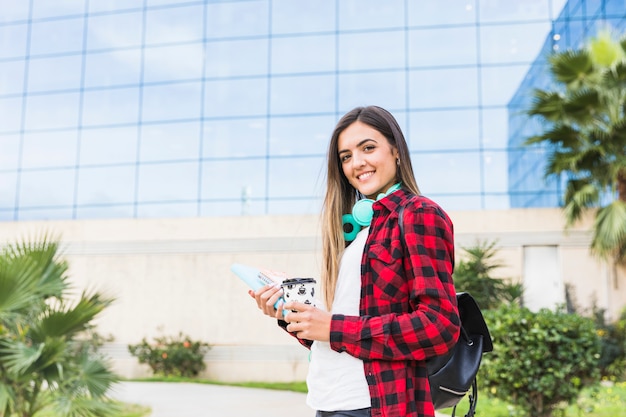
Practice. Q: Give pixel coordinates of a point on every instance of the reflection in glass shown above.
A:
(168, 182)
(444, 129)
(117, 30)
(302, 135)
(442, 12)
(56, 73)
(12, 76)
(170, 141)
(316, 94)
(51, 111)
(49, 149)
(371, 50)
(237, 97)
(47, 188)
(371, 14)
(106, 185)
(304, 54)
(442, 46)
(13, 40)
(171, 101)
(296, 177)
(227, 179)
(112, 106)
(180, 62)
(230, 19)
(454, 172)
(174, 24)
(236, 58)
(234, 138)
(443, 87)
(8, 184)
(56, 36)
(386, 89)
(10, 114)
(106, 69)
(113, 145)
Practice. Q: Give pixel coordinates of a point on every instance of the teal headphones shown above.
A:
(361, 215)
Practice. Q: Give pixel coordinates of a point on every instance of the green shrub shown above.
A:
(172, 356)
(541, 361)
(474, 274)
(613, 338)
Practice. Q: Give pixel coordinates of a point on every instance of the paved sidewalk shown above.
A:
(204, 400)
(181, 399)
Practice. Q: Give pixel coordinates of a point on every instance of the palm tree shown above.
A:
(585, 137)
(45, 362)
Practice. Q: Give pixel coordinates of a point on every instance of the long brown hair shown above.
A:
(341, 196)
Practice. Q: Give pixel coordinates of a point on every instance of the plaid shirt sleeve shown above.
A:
(408, 304)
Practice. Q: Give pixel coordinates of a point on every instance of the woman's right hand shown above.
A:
(266, 297)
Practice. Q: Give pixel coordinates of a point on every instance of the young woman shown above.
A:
(389, 296)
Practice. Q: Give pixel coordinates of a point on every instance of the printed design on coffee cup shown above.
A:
(299, 289)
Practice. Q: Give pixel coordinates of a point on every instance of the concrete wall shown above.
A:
(173, 275)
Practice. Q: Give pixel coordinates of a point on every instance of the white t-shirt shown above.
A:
(336, 381)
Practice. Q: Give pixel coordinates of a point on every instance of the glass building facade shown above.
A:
(579, 20)
(166, 108)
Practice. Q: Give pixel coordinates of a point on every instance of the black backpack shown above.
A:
(451, 376)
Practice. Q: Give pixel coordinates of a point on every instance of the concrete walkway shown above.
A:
(204, 400)
(183, 399)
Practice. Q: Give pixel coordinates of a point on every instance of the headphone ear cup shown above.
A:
(363, 212)
(350, 227)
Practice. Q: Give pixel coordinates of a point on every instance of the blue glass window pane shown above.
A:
(444, 88)
(495, 128)
(8, 184)
(228, 179)
(385, 88)
(234, 138)
(49, 149)
(307, 135)
(56, 36)
(444, 129)
(102, 107)
(171, 102)
(46, 213)
(105, 69)
(106, 185)
(13, 40)
(299, 205)
(108, 145)
(303, 54)
(42, 8)
(500, 83)
(180, 62)
(12, 76)
(9, 156)
(512, 43)
(13, 10)
(170, 210)
(170, 141)
(51, 111)
(243, 97)
(168, 182)
(302, 94)
(507, 10)
(116, 211)
(233, 208)
(176, 24)
(370, 14)
(112, 5)
(364, 51)
(496, 167)
(47, 188)
(303, 16)
(56, 73)
(242, 18)
(442, 46)
(454, 172)
(441, 12)
(10, 114)
(236, 58)
(114, 30)
(296, 177)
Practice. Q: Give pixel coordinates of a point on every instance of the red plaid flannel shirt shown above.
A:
(408, 310)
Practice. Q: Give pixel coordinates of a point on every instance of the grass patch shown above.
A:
(297, 386)
(604, 401)
(126, 410)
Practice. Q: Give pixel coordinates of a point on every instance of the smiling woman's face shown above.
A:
(368, 160)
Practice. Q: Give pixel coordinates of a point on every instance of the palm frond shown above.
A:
(580, 194)
(96, 376)
(581, 105)
(7, 399)
(85, 406)
(67, 321)
(610, 229)
(17, 357)
(18, 285)
(547, 104)
(571, 66)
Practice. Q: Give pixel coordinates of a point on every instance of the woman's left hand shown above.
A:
(307, 322)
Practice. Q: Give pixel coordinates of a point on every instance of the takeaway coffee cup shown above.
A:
(299, 289)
